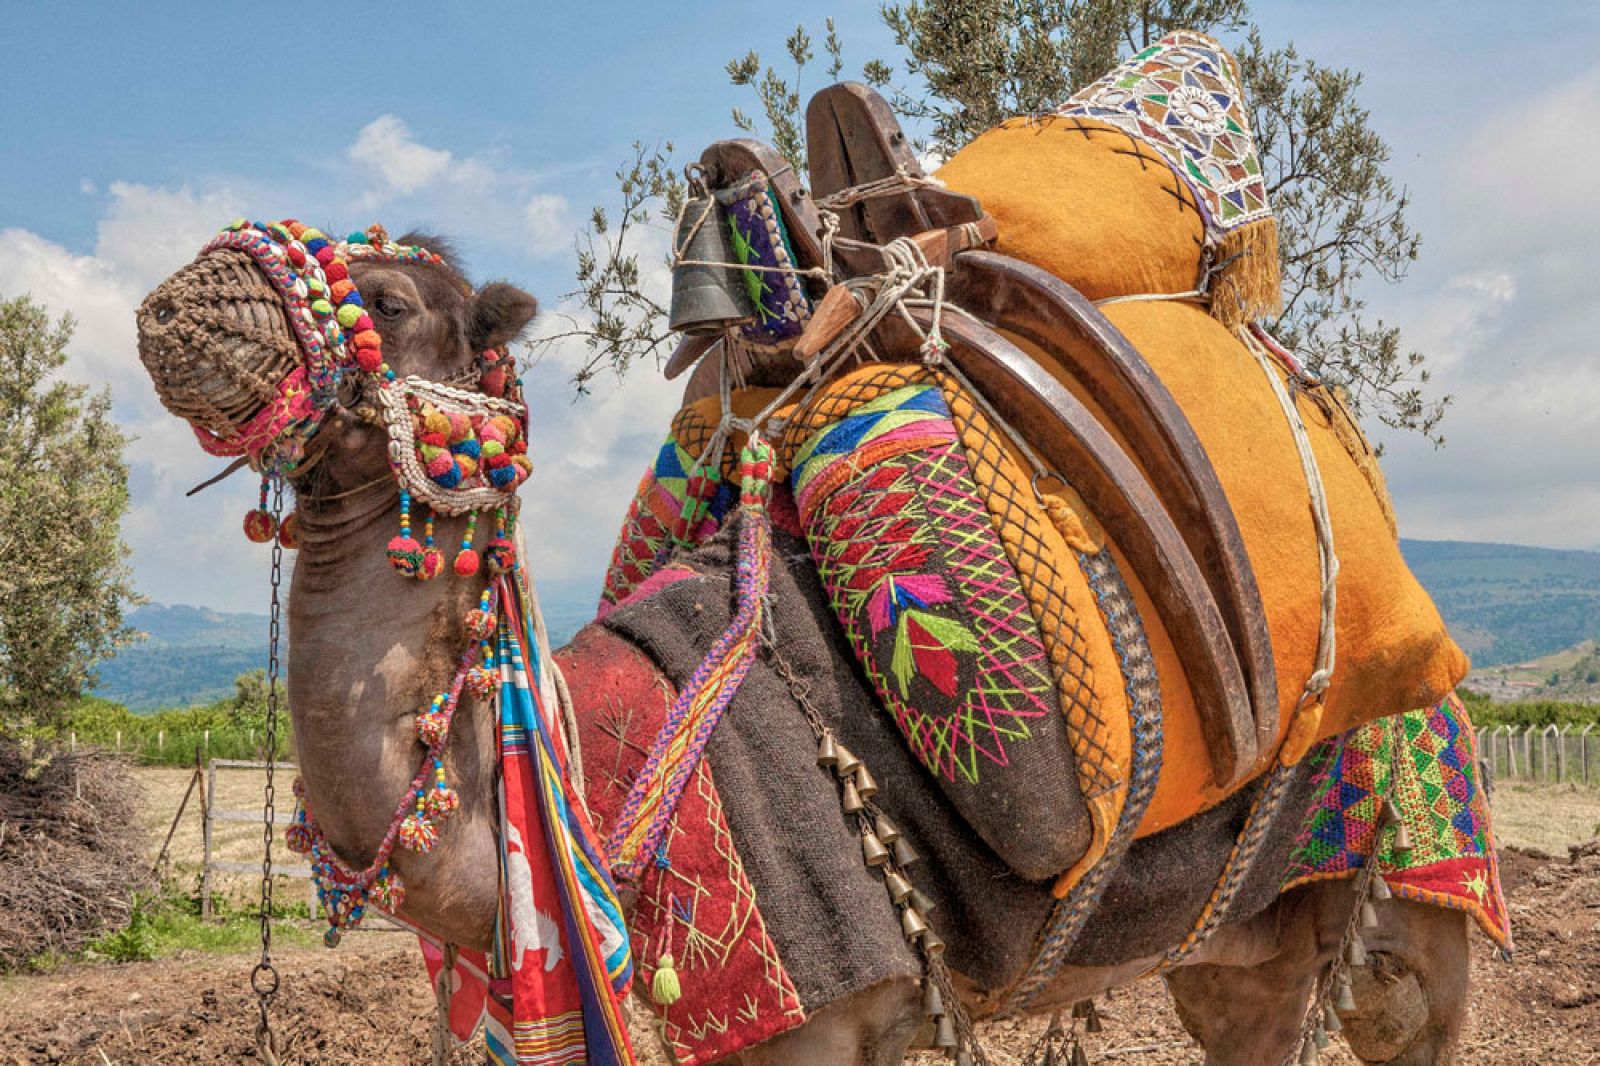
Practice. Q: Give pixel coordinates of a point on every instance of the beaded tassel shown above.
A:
(442, 800)
(484, 679)
(432, 558)
(501, 553)
(259, 525)
(480, 621)
(467, 558)
(405, 554)
(417, 831)
(434, 722)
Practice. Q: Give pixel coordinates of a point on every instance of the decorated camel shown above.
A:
(977, 643)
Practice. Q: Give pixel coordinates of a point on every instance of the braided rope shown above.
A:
(687, 728)
(902, 180)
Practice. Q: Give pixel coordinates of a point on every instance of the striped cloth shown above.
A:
(562, 962)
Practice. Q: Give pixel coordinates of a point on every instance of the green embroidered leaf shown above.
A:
(951, 634)
(902, 664)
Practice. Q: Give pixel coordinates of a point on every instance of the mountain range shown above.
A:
(1505, 604)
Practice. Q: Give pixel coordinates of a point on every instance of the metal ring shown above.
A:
(1047, 475)
(256, 984)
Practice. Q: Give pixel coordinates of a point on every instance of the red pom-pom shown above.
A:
(363, 324)
(336, 272)
(466, 562)
(405, 555)
(432, 564)
(297, 256)
(260, 526)
(440, 464)
(500, 555)
(493, 381)
(480, 624)
(325, 254)
(289, 531)
(369, 359)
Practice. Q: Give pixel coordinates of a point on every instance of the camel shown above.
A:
(366, 650)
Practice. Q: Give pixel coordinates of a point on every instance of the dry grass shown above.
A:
(1544, 816)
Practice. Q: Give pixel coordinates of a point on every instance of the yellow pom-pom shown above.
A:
(664, 987)
(349, 315)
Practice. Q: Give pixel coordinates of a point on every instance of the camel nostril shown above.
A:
(165, 313)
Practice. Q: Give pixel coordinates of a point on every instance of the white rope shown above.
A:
(1322, 672)
(902, 180)
(1192, 295)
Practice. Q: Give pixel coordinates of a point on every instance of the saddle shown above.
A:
(1100, 458)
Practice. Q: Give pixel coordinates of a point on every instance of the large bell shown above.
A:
(706, 299)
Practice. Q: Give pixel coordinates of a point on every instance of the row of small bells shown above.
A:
(1354, 949)
(884, 848)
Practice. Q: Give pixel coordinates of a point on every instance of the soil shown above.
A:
(369, 1002)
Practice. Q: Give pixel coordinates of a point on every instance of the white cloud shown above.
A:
(386, 146)
(550, 223)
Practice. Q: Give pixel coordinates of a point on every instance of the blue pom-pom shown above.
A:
(354, 297)
(501, 476)
(450, 478)
(470, 446)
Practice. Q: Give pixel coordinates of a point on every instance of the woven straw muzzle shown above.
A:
(215, 341)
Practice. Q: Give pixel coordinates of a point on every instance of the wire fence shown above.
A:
(1568, 753)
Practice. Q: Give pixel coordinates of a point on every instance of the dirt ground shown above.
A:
(369, 1001)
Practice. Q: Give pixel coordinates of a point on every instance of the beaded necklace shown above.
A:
(453, 450)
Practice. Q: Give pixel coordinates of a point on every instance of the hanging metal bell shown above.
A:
(873, 853)
(1091, 1020)
(827, 750)
(888, 832)
(852, 799)
(920, 901)
(904, 853)
(1345, 997)
(1402, 839)
(1309, 1054)
(864, 783)
(1391, 813)
(1369, 915)
(1356, 953)
(706, 299)
(1330, 1019)
(1319, 1036)
(944, 1036)
(899, 888)
(847, 761)
(1380, 889)
(932, 942)
(1079, 1056)
(932, 999)
(911, 923)
(963, 1058)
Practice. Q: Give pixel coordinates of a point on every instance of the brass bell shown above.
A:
(932, 942)
(963, 1058)
(1391, 813)
(872, 850)
(1344, 997)
(827, 750)
(1079, 1056)
(1369, 915)
(847, 761)
(864, 783)
(911, 923)
(1319, 1036)
(920, 901)
(1356, 953)
(852, 799)
(1091, 1021)
(1330, 1019)
(904, 853)
(1402, 839)
(888, 832)
(932, 1000)
(899, 888)
(1308, 1053)
(706, 299)
(1380, 889)
(944, 1036)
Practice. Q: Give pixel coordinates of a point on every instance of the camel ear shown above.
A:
(500, 312)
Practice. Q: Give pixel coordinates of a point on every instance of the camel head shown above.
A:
(238, 344)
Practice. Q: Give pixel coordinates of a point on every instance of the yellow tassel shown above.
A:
(1250, 286)
(664, 987)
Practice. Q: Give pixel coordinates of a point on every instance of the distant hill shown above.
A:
(1505, 603)
(190, 655)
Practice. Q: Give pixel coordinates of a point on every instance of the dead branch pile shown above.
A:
(70, 849)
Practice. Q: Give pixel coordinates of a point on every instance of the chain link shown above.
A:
(264, 978)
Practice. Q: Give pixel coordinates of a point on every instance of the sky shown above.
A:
(130, 133)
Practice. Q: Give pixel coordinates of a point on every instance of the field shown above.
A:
(369, 1002)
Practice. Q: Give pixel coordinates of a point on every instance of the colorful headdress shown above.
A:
(1182, 96)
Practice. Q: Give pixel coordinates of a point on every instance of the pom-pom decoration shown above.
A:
(289, 531)
(405, 555)
(260, 526)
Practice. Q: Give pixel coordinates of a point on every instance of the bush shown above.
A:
(1486, 713)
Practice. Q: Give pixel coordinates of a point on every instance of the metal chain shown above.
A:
(264, 978)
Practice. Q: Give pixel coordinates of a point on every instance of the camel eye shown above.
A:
(389, 307)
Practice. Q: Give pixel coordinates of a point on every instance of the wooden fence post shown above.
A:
(1583, 750)
(119, 742)
(205, 874)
